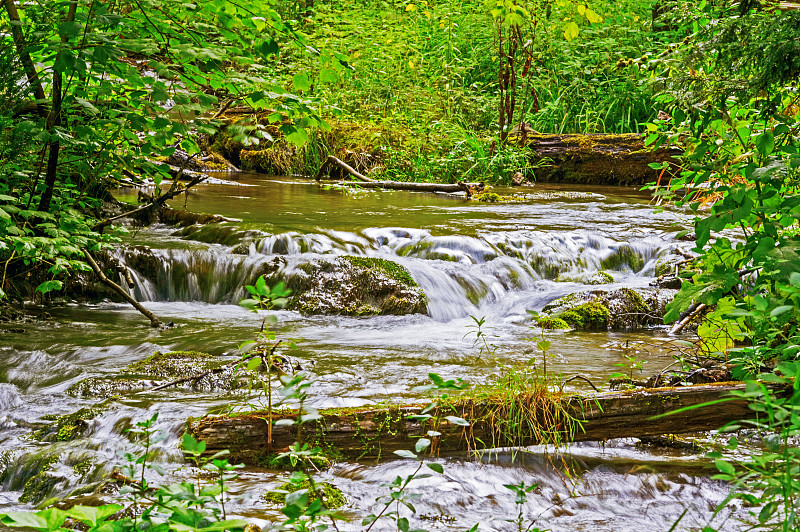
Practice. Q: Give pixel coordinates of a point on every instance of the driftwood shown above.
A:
(597, 159)
(331, 160)
(366, 182)
(370, 432)
(154, 321)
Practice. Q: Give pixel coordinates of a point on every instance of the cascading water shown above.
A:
(487, 261)
(458, 273)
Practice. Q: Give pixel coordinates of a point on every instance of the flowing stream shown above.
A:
(474, 261)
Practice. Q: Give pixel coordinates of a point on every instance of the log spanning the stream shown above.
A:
(375, 432)
(366, 182)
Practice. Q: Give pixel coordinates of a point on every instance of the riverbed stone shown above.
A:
(350, 286)
(624, 308)
(160, 368)
(590, 278)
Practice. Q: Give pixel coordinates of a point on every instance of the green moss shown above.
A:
(600, 277)
(39, 486)
(81, 468)
(332, 497)
(566, 301)
(589, 316)
(550, 322)
(622, 257)
(68, 427)
(389, 268)
(488, 197)
(163, 364)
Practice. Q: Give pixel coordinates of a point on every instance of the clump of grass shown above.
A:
(520, 407)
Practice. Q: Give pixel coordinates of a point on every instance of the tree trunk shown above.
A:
(24, 57)
(372, 433)
(53, 121)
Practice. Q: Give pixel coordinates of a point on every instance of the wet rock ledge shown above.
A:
(349, 286)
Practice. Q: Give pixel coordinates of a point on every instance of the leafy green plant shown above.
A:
(739, 175)
(481, 337)
(768, 481)
(113, 89)
(521, 492)
(262, 297)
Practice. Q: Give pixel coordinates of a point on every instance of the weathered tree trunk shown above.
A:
(359, 433)
(597, 159)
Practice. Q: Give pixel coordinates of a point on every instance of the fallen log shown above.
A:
(597, 159)
(468, 188)
(366, 182)
(331, 160)
(371, 432)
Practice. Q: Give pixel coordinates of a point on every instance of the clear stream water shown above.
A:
(472, 259)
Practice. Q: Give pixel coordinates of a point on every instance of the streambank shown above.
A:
(379, 152)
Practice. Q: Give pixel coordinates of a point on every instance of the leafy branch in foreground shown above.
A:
(102, 91)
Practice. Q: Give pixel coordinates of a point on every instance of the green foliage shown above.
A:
(769, 481)
(110, 86)
(740, 176)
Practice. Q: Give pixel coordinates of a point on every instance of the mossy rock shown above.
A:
(105, 387)
(591, 316)
(621, 309)
(623, 258)
(488, 197)
(160, 367)
(33, 475)
(590, 278)
(551, 323)
(351, 286)
(173, 364)
(332, 497)
(67, 427)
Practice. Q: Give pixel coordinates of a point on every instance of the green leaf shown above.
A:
(457, 421)
(571, 31)
(780, 310)
(422, 444)
(765, 143)
(725, 467)
(93, 515)
(253, 363)
(301, 82)
(49, 286)
(402, 453)
(434, 466)
(543, 345)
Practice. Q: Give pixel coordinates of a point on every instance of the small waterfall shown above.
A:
(459, 274)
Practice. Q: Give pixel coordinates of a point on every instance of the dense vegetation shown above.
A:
(94, 95)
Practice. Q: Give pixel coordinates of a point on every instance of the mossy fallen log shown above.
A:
(374, 432)
(597, 159)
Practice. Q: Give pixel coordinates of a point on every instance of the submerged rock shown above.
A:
(67, 427)
(624, 308)
(160, 368)
(590, 278)
(350, 286)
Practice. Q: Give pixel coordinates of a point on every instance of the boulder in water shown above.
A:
(624, 308)
(351, 286)
(164, 367)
